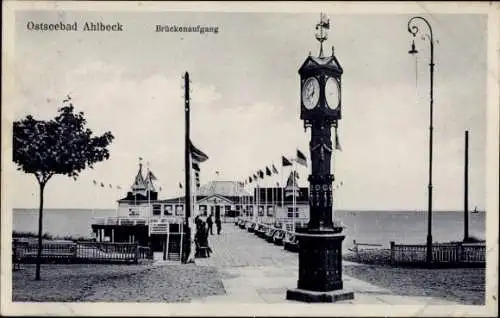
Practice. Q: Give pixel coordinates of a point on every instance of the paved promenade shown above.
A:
(254, 271)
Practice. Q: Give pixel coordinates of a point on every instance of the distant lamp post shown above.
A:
(413, 29)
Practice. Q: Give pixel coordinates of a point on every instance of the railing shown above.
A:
(107, 252)
(452, 254)
(82, 252)
(145, 252)
(133, 221)
(51, 252)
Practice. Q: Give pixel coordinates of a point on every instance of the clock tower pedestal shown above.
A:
(320, 244)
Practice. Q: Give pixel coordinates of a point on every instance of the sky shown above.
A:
(245, 101)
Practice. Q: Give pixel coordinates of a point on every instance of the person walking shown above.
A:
(210, 224)
(219, 225)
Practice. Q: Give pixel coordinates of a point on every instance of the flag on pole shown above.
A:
(197, 154)
(301, 158)
(337, 142)
(102, 185)
(94, 182)
(285, 161)
(197, 178)
(268, 171)
(324, 22)
(151, 176)
(195, 166)
(274, 169)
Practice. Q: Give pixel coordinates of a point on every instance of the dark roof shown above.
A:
(328, 62)
(140, 197)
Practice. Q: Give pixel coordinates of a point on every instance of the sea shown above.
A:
(374, 227)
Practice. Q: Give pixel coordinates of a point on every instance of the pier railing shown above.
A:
(457, 254)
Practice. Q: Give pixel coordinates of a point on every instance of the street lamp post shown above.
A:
(413, 29)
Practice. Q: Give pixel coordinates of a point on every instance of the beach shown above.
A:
(462, 285)
(110, 283)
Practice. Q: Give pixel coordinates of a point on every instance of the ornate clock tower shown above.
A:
(320, 245)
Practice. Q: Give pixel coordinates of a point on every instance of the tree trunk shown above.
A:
(40, 226)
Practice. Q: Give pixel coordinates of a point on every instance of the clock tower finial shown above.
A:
(322, 31)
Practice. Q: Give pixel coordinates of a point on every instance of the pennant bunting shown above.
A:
(261, 174)
(268, 171)
(275, 171)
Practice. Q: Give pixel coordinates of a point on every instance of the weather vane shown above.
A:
(321, 31)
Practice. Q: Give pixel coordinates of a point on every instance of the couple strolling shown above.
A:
(210, 223)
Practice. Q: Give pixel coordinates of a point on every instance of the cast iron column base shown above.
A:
(320, 268)
(310, 296)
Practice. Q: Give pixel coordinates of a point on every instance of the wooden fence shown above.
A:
(446, 255)
(415, 255)
(80, 252)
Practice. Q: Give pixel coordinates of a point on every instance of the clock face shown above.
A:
(332, 92)
(310, 93)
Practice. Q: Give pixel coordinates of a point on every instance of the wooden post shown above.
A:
(136, 260)
(165, 247)
(187, 159)
(466, 188)
(393, 252)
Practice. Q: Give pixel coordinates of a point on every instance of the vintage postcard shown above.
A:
(250, 158)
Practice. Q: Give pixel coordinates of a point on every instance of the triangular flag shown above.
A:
(301, 158)
(268, 171)
(285, 161)
(274, 169)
